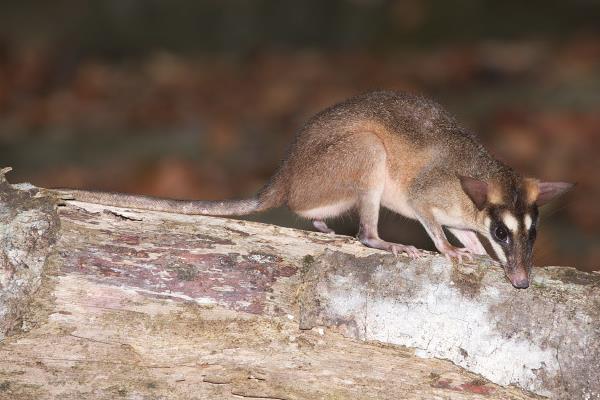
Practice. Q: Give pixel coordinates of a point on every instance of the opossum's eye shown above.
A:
(501, 233)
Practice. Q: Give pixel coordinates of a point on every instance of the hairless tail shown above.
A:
(191, 207)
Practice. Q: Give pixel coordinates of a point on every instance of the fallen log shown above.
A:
(144, 304)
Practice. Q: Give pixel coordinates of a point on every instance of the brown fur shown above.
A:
(420, 139)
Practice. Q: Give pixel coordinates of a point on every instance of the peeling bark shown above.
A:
(28, 228)
(139, 304)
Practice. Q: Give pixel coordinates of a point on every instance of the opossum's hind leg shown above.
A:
(321, 226)
(368, 210)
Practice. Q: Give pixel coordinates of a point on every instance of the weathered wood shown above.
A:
(153, 305)
(105, 341)
(28, 227)
(545, 339)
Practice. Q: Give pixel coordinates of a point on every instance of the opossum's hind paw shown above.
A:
(395, 248)
(321, 226)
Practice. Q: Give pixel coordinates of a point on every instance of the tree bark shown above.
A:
(140, 304)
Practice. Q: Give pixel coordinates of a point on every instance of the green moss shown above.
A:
(16, 390)
(186, 272)
(573, 276)
(151, 385)
(307, 262)
(538, 285)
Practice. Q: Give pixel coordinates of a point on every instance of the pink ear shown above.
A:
(550, 190)
(476, 190)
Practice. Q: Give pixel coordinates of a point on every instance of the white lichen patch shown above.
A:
(428, 321)
(25, 186)
(224, 288)
(260, 258)
(178, 295)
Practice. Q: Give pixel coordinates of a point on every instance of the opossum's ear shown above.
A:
(550, 190)
(476, 190)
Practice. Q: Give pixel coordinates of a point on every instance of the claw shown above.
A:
(410, 251)
(458, 253)
(394, 248)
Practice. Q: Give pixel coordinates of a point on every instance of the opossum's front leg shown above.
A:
(436, 233)
(470, 240)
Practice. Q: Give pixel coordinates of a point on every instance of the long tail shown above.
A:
(193, 207)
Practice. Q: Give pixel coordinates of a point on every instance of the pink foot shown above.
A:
(321, 226)
(457, 252)
(395, 248)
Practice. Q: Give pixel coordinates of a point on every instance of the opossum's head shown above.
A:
(509, 219)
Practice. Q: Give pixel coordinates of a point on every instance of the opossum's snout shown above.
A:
(518, 265)
(519, 277)
(512, 234)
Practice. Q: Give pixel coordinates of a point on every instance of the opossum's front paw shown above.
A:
(457, 252)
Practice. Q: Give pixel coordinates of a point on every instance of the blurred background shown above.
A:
(199, 99)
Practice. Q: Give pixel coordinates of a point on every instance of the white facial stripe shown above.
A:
(527, 221)
(487, 221)
(510, 221)
(499, 251)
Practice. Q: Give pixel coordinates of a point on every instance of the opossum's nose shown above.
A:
(520, 279)
(521, 283)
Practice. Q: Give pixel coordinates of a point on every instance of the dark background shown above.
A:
(199, 99)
